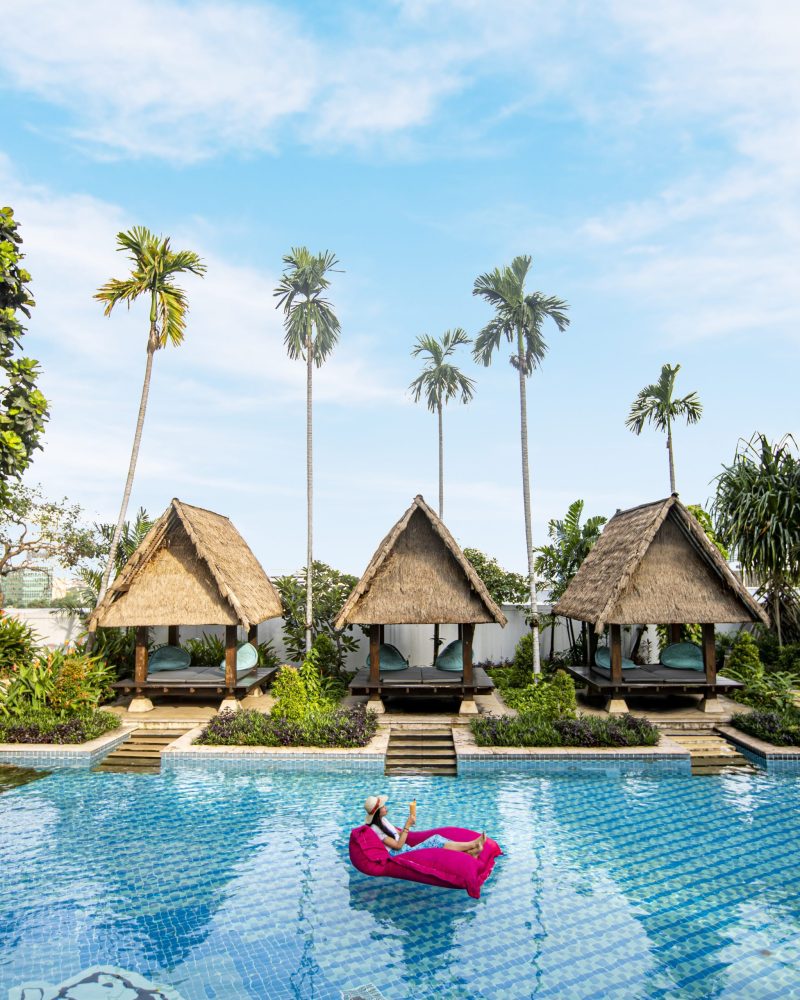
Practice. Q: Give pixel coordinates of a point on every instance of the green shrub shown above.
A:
(530, 730)
(322, 727)
(207, 651)
(18, 643)
(778, 728)
(771, 691)
(46, 726)
(547, 699)
(81, 682)
(289, 691)
(28, 688)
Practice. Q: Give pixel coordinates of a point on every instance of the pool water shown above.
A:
(616, 882)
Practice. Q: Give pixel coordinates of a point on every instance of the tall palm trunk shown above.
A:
(526, 497)
(152, 346)
(671, 459)
(309, 491)
(441, 512)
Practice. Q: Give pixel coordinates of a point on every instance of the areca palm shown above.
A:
(441, 381)
(311, 332)
(519, 318)
(655, 405)
(154, 266)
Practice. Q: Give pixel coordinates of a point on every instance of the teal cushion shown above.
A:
(390, 658)
(451, 657)
(168, 658)
(246, 660)
(683, 656)
(602, 657)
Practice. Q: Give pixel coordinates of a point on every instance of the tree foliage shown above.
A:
(308, 316)
(504, 586)
(331, 590)
(35, 531)
(440, 380)
(655, 404)
(757, 514)
(570, 543)
(23, 408)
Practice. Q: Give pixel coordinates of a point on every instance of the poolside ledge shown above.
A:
(469, 754)
(64, 754)
(765, 753)
(185, 750)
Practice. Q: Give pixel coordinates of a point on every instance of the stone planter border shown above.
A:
(760, 752)
(47, 755)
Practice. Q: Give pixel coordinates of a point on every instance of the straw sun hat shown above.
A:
(374, 802)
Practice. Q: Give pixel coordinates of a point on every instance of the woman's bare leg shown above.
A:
(473, 847)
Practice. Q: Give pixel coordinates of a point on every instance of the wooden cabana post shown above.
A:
(192, 568)
(655, 564)
(419, 576)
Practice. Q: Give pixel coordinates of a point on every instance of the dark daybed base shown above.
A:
(194, 681)
(421, 682)
(651, 679)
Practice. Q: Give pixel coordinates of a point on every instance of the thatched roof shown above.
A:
(192, 568)
(655, 564)
(419, 575)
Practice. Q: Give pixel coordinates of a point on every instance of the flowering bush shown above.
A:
(324, 727)
(63, 681)
(44, 726)
(18, 643)
(532, 730)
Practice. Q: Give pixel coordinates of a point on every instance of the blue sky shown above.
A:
(646, 158)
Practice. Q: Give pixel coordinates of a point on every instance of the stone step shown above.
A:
(426, 762)
(449, 772)
(128, 768)
(423, 752)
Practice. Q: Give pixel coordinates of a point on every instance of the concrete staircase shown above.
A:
(711, 753)
(421, 748)
(141, 751)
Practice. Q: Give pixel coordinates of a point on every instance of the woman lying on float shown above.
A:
(448, 856)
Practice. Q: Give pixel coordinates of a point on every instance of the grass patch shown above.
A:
(779, 728)
(324, 727)
(45, 726)
(532, 730)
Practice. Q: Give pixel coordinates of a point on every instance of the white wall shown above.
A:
(492, 643)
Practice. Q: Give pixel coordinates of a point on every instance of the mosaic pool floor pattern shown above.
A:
(617, 882)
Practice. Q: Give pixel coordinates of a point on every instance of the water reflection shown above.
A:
(12, 776)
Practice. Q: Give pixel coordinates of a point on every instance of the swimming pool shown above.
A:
(617, 881)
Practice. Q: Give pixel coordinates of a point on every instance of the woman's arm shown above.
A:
(395, 843)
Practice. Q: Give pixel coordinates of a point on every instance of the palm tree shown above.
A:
(312, 331)
(519, 316)
(155, 265)
(441, 382)
(655, 405)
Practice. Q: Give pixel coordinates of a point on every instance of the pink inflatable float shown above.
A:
(432, 865)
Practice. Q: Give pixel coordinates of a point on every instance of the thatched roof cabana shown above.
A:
(655, 564)
(192, 568)
(419, 575)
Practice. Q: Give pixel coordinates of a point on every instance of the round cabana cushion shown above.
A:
(168, 658)
(683, 656)
(246, 660)
(602, 658)
(451, 657)
(431, 865)
(390, 658)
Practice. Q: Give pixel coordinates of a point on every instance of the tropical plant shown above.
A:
(519, 318)
(155, 265)
(28, 688)
(504, 586)
(311, 332)
(18, 643)
(548, 699)
(757, 515)
(773, 691)
(440, 381)
(23, 408)
(655, 405)
(331, 589)
(779, 728)
(82, 681)
(559, 561)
